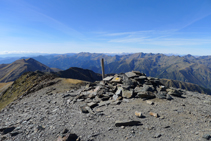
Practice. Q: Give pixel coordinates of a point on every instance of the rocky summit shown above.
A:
(127, 106)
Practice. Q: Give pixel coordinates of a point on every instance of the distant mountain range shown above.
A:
(187, 68)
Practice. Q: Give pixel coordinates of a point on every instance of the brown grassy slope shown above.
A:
(27, 83)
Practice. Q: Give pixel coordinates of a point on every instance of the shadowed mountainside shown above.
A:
(81, 74)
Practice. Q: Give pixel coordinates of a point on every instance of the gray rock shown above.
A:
(116, 79)
(130, 74)
(92, 104)
(116, 102)
(144, 88)
(127, 123)
(125, 100)
(108, 78)
(104, 98)
(66, 95)
(145, 94)
(157, 135)
(161, 95)
(142, 77)
(103, 103)
(89, 110)
(119, 91)
(137, 72)
(168, 97)
(138, 114)
(174, 92)
(127, 93)
(84, 109)
(115, 97)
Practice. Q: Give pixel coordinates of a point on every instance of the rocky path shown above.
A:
(44, 117)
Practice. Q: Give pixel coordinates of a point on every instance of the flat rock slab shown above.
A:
(145, 95)
(150, 102)
(120, 123)
(108, 78)
(130, 74)
(142, 77)
(92, 104)
(116, 79)
(137, 72)
(103, 103)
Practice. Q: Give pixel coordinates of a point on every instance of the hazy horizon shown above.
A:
(16, 55)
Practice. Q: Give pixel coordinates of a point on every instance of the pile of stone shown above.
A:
(124, 86)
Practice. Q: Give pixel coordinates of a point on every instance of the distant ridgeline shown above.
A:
(188, 68)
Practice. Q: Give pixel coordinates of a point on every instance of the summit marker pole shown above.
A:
(102, 65)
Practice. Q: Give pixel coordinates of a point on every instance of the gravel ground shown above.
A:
(43, 116)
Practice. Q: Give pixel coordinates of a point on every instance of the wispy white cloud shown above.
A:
(163, 41)
(129, 33)
(156, 37)
(139, 33)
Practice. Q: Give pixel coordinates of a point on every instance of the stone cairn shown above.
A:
(121, 87)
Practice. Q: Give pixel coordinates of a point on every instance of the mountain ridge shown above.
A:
(10, 72)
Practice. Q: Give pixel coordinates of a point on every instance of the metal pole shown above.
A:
(102, 65)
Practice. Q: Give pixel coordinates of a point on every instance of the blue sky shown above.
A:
(105, 26)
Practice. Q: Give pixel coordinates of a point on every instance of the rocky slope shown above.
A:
(127, 106)
(11, 72)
